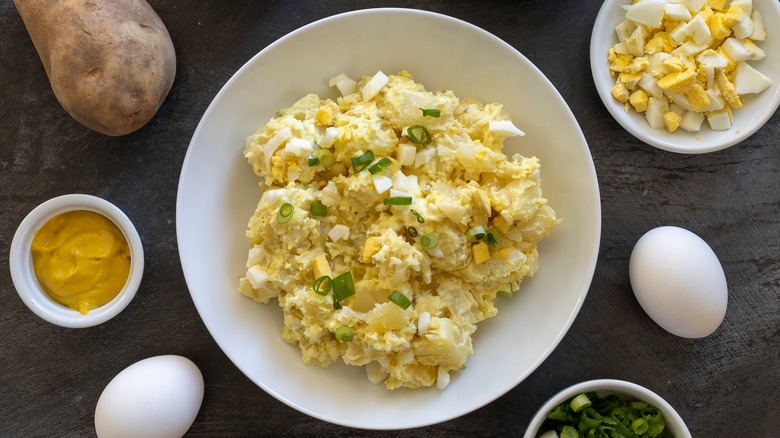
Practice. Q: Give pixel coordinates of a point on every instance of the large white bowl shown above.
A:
(218, 193)
(757, 108)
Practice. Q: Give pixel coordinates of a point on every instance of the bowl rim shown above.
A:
(608, 386)
(254, 59)
(642, 131)
(27, 284)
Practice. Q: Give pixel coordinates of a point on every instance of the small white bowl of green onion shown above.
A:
(605, 408)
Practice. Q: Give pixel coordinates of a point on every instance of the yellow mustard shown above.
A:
(81, 259)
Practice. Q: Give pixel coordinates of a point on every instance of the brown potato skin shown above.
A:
(111, 63)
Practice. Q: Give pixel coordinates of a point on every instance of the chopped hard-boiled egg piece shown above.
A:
(759, 33)
(480, 252)
(719, 120)
(374, 85)
(423, 322)
(656, 107)
(321, 267)
(442, 378)
(681, 61)
(338, 232)
(745, 5)
(647, 12)
(344, 83)
(504, 127)
(375, 373)
(691, 121)
(254, 256)
(329, 137)
(406, 154)
(748, 80)
(256, 277)
(370, 248)
(382, 183)
(677, 12)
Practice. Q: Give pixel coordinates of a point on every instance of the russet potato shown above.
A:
(111, 63)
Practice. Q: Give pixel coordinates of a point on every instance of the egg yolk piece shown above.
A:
(81, 259)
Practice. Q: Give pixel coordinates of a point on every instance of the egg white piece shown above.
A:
(679, 282)
(158, 397)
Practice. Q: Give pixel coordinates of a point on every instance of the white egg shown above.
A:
(158, 397)
(679, 282)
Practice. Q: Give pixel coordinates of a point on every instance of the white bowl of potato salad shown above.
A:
(387, 245)
(688, 76)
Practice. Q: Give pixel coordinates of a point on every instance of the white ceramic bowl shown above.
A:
(218, 193)
(757, 108)
(603, 387)
(27, 284)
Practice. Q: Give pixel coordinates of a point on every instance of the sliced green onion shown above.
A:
(400, 299)
(475, 234)
(344, 334)
(591, 419)
(569, 432)
(319, 209)
(285, 213)
(342, 287)
(423, 138)
(430, 112)
(314, 161)
(493, 237)
(420, 219)
(580, 402)
(321, 288)
(639, 426)
(398, 200)
(411, 231)
(380, 165)
(429, 241)
(508, 294)
(326, 158)
(361, 162)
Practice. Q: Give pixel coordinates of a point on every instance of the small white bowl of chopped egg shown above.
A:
(688, 76)
(610, 405)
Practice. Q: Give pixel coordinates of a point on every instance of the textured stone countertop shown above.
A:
(726, 384)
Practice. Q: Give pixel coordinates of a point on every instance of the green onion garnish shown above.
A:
(319, 209)
(589, 415)
(344, 334)
(493, 237)
(411, 231)
(476, 234)
(429, 241)
(423, 138)
(420, 219)
(361, 162)
(326, 158)
(285, 213)
(580, 402)
(321, 288)
(400, 299)
(508, 294)
(380, 165)
(314, 161)
(398, 200)
(342, 287)
(430, 112)
(639, 426)
(569, 432)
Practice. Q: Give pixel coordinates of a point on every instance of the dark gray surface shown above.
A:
(724, 385)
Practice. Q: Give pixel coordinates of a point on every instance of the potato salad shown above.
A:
(388, 222)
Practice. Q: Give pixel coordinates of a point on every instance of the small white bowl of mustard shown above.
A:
(76, 260)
